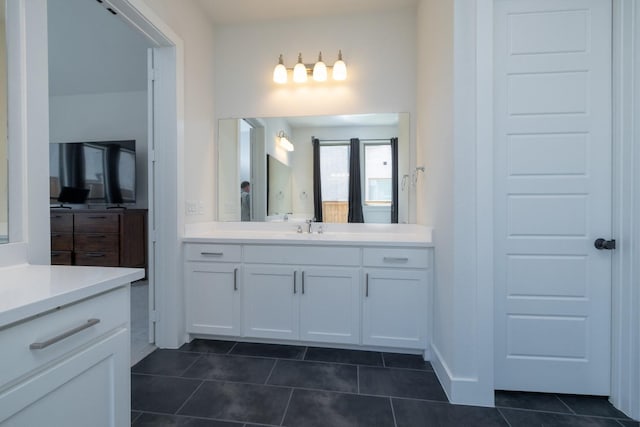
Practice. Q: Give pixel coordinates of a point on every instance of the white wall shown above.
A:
(4, 161)
(190, 23)
(103, 117)
(379, 49)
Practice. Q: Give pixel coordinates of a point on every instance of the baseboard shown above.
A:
(460, 390)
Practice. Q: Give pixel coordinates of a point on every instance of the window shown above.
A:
(334, 176)
(377, 174)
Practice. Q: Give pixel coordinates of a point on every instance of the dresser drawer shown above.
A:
(61, 241)
(61, 258)
(213, 252)
(96, 242)
(302, 255)
(111, 309)
(396, 257)
(61, 222)
(96, 223)
(99, 259)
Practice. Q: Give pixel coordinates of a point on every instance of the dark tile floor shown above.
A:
(227, 384)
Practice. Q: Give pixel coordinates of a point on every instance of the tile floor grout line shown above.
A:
(189, 398)
(304, 355)
(200, 417)
(569, 414)
(384, 362)
(358, 377)
(287, 407)
(565, 404)
(393, 412)
(503, 417)
(271, 372)
(190, 366)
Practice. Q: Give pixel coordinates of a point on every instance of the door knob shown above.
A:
(604, 244)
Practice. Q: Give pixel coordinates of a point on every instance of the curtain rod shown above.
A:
(347, 140)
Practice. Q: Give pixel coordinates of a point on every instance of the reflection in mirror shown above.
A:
(4, 162)
(278, 189)
(282, 179)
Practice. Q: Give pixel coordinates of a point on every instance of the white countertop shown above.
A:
(27, 290)
(333, 234)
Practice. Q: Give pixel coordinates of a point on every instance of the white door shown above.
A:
(270, 302)
(330, 305)
(213, 298)
(553, 195)
(393, 309)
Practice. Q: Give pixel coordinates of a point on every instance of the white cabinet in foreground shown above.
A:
(69, 367)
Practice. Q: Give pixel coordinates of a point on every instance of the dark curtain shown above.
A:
(355, 188)
(317, 185)
(394, 180)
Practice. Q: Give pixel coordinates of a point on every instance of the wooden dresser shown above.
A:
(108, 238)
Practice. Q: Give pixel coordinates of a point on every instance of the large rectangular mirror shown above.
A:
(4, 161)
(273, 160)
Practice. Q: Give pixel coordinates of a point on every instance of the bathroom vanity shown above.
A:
(64, 334)
(352, 286)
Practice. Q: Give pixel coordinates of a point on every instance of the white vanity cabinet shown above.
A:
(396, 295)
(68, 367)
(213, 274)
(315, 299)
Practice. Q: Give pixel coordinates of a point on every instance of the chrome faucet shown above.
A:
(310, 225)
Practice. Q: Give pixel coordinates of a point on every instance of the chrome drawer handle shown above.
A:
(211, 253)
(47, 343)
(366, 284)
(235, 279)
(395, 259)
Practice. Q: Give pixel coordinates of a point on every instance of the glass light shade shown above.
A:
(339, 70)
(280, 74)
(320, 70)
(300, 71)
(286, 144)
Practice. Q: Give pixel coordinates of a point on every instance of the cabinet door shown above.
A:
(395, 308)
(270, 298)
(329, 305)
(213, 298)
(91, 387)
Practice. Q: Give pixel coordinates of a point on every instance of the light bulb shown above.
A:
(339, 69)
(300, 71)
(280, 72)
(320, 70)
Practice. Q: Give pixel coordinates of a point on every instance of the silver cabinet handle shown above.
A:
(366, 285)
(235, 279)
(67, 334)
(303, 282)
(395, 259)
(211, 253)
(294, 283)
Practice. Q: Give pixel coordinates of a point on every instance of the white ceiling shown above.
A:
(240, 11)
(93, 51)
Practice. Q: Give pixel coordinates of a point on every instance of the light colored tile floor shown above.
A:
(140, 346)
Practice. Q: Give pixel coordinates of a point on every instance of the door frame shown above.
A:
(625, 346)
(166, 216)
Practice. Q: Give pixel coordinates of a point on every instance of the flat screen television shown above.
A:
(98, 172)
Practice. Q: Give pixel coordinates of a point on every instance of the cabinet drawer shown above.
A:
(302, 255)
(396, 257)
(61, 241)
(213, 252)
(61, 258)
(61, 222)
(100, 259)
(96, 223)
(111, 309)
(96, 242)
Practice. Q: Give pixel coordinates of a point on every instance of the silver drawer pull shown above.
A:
(211, 253)
(235, 279)
(395, 259)
(47, 343)
(366, 284)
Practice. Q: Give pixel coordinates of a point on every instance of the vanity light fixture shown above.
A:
(284, 141)
(301, 71)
